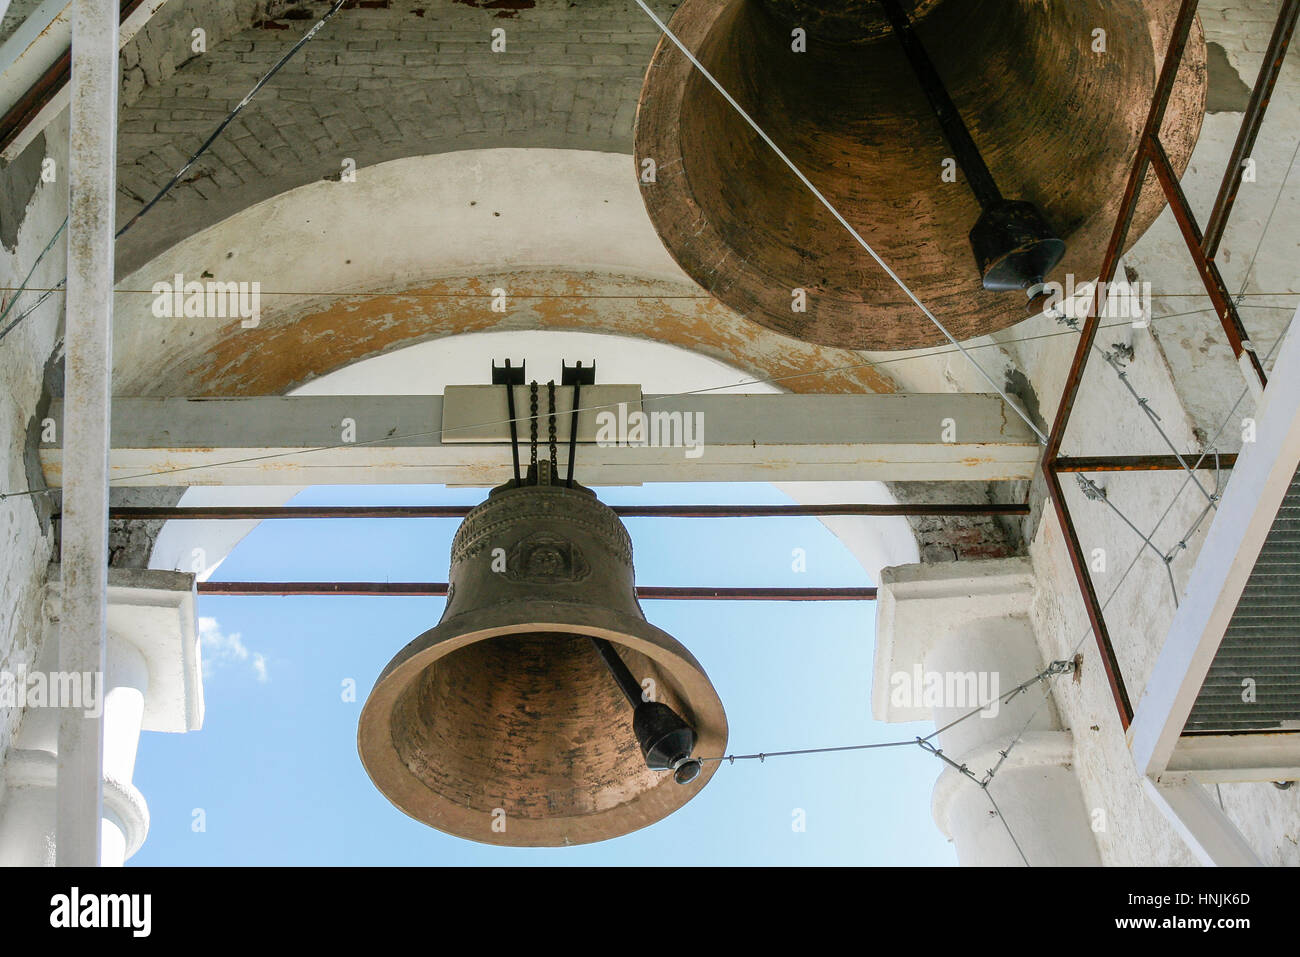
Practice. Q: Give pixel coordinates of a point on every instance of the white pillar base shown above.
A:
(950, 638)
(153, 683)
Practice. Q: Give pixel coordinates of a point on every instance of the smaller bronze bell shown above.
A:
(504, 725)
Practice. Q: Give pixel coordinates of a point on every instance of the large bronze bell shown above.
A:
(513, 721)
(1053, 93)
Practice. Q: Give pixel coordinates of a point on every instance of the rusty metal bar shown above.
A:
(55, 78)
(31, 103)
(676, 593)
(1109, 660)
(1150, 137)
(1140, 463)
(264, 513)
(439, 590)
(1250, 125)
(1150, 132)
(284, 589)
(1208, 271)
(1088, 335)
(969, 159)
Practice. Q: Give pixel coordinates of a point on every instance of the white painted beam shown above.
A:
(92, 157)
(1201, 823)
(35, 47)
(299, 440)
(1225, 758)
(1249, 506)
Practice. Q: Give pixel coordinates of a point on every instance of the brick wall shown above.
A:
(380, 82)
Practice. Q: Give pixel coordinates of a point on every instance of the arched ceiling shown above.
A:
(407, 253)
(384, 79)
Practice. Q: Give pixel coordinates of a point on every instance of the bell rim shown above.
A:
(410, 796)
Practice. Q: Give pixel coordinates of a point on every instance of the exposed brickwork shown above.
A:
(413, 77)
(943, 539)
(130, 542)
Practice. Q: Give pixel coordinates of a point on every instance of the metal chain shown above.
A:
(550, 427)
(532, 426)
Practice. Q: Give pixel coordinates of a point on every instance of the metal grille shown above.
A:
(1260, 653)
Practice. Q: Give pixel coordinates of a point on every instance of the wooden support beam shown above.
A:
(302, 440)
(35, 64)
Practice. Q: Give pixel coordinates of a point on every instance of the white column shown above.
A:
(92, 156)
(28, 823)
(152, 682)
(125, 687)
(951, 637)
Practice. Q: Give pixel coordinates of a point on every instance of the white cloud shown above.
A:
(220, 649)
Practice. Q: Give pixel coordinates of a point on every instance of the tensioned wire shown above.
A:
(1132, 564)
(1168, 557)
(1051, 671)
(1211, 499)
(307, 37)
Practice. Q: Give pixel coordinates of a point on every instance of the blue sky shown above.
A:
(275, 773)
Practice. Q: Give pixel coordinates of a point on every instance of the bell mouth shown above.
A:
(687, 770)
(518, 735)
(536, 708)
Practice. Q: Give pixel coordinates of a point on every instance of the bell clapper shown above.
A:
(666, 740)
(1014, 246)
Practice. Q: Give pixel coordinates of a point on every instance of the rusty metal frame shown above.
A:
(1202, 248)
(1138, 463)
(46, 87)
(272, 512)
(439, 590)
